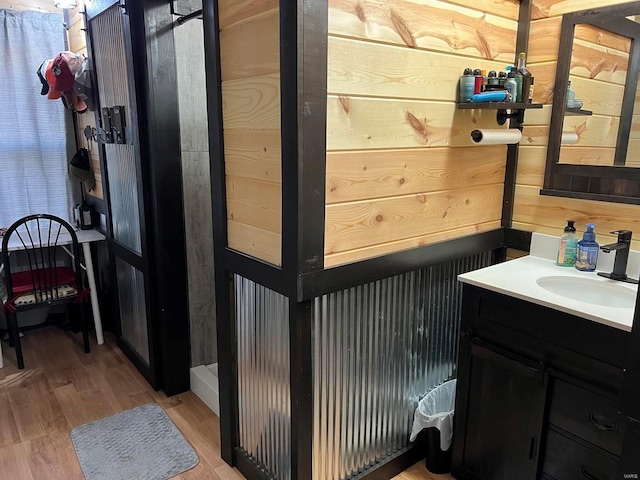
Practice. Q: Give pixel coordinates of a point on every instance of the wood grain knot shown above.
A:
(581, 128)
(360, 13)
(483, 44)
(345, 103)
(403, 30)
(379, 218)
(417, 125)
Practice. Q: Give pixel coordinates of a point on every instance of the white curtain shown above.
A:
(33, 155)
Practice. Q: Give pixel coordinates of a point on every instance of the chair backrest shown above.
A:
(40, 238)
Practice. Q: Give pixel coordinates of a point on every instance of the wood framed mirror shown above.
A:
(600, 51)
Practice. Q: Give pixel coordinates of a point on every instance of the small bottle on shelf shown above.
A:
(502, 78)
(527, 79)
(493, 82)
(467, 85)
(511, 86)
(477, 73)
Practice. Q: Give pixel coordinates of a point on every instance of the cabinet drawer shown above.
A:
(587, 415)
(565, 459)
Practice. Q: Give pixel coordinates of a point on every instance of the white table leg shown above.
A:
(97, 320)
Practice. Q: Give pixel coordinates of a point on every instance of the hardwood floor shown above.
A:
(62, 387)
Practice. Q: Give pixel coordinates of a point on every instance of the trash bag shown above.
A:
(434, 418)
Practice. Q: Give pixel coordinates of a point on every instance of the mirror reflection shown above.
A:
(600, 60)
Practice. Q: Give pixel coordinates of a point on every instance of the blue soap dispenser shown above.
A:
(587, 254)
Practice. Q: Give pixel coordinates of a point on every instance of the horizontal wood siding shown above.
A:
(250, 68)
(77, 39)
(402, 170)
(597, 74)
(37, 5)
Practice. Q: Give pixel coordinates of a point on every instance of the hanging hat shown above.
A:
(53, 94)
(65, 66)
(80, 168)
(73, 102)
(41, 75)
(82, 85)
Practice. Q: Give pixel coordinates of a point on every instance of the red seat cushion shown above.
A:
(23, 281)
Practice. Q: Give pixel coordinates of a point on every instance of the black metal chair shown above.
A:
(41, 282)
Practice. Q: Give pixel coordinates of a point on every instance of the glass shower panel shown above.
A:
(113, 81)
(133, 313)
(264, 402)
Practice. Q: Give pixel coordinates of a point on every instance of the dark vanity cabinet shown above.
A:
(537, 393)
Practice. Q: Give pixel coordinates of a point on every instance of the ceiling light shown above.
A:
(66, 3)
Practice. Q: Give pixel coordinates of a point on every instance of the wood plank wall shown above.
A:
(601, 90)
(401, 169)
(250, 68)
(38, 5)
(78, 44)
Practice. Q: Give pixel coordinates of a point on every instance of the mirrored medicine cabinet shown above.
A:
(600, 55)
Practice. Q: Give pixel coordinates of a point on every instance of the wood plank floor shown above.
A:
(61, 388)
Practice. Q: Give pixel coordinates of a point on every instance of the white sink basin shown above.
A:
(588, 290)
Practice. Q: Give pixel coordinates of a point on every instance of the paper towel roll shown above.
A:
(496, 137)
(569, 138)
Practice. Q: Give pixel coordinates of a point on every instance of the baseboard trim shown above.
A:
(204, 383)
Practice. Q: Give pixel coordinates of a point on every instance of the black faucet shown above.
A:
(621, 247)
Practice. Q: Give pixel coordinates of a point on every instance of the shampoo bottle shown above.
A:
(587, 254)
(567, 246)
(467, 84)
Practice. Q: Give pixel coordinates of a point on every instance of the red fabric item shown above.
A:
(63, 78)
(7, 307)
(83, 295)
(23, 281)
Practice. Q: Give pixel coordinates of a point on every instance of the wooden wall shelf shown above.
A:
(577, 111)
(498, 106)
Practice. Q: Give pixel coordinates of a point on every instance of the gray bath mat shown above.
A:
(141, 443)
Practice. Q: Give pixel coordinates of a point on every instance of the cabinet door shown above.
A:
(504, 415)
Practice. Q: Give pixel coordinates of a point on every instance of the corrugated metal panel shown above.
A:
(113, 86)
(123, 193)
(133, 314)
(378, 348)
(262, 318)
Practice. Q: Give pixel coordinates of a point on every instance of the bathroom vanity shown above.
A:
(540, 373)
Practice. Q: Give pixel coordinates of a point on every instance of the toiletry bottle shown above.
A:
(587, 254)
(527, 79)
(485, 80)
(567, 246)
(493, 82)
(571, 95)
(467, 84)
(479, 79)
(518, 77)
(511, 86)
(502, 76)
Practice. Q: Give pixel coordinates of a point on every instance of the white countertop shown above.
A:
(84, 236)
(517, 278)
